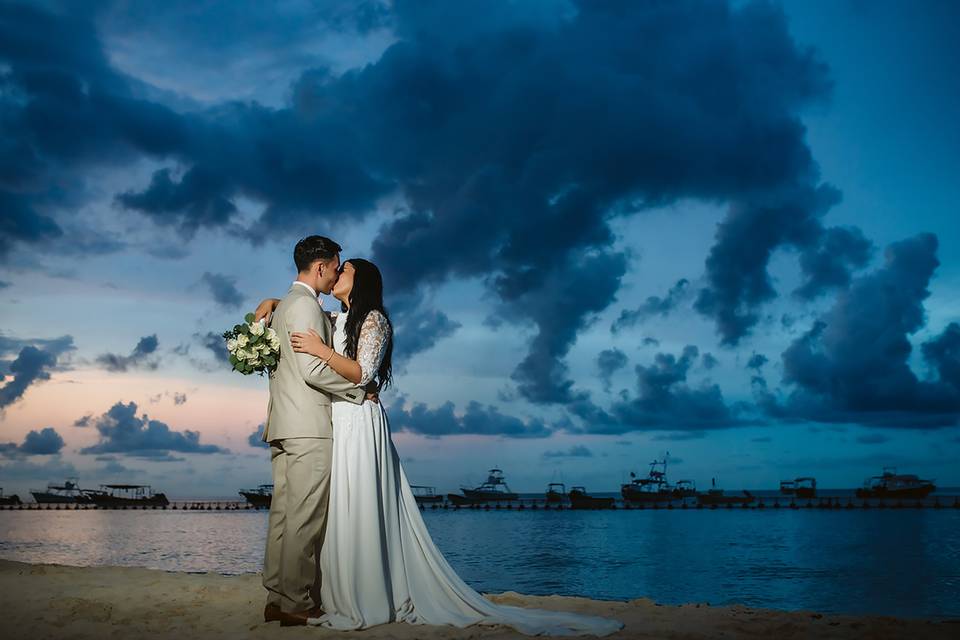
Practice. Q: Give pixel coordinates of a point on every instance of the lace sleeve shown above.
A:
(372, 345)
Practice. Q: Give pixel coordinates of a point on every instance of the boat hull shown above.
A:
(488, 496)
(53, 498)
(10, 500)
(709, 500)
(156, 500)
(632, 495)
(257, 500)
(917, 493)
(590, 502)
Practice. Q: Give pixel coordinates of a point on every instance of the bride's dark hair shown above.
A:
(367, 296)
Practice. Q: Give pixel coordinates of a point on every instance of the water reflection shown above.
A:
(903, 563)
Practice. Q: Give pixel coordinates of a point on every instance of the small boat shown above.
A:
(425, 495)
(495, 489)
(717, 496)
(556, 491)
(806, 488)
(653, 488)
(9, 500)
(67, 493)
(580, 499)
(259, 497)
(685, 489)
(894, 485)
(127, 495)
(799, 487)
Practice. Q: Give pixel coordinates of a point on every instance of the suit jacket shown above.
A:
(302, 387)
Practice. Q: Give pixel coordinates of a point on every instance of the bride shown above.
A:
(378, 560)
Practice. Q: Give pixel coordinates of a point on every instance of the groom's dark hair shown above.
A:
(313, 248)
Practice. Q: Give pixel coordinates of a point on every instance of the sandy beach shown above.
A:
(55, 601)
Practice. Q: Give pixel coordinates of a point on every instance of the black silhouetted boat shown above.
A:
(67, 493)
(896, 485)
(259, 497)
(9, 500)
(556, 491)
(495, 489)
(580, 499)
(716, 496)
(799, 487)
(685, 489)
(425, 495)
(653, 488)
(127, 495)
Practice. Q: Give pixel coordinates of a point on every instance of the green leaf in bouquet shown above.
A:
(233, 360)
(248, 318)
(237, 329)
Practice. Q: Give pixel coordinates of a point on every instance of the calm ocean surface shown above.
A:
(903, 562)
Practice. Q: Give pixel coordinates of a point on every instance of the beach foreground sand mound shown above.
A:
(53, 601)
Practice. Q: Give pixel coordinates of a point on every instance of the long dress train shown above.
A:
(378, 561)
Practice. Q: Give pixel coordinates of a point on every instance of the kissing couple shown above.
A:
(347, 547)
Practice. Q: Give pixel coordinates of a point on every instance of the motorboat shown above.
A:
(896, 485)
(127, 495)
(425, 495)
(580, 499)
(260, 497)
(67, 493)
(494, 489)
(716, 496)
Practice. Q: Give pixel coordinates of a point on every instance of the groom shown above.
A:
(300, 434)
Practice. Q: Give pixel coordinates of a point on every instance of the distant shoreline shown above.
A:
(54, 601)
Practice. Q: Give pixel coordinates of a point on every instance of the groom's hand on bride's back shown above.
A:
(372, 394)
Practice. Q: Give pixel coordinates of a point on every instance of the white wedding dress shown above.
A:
(378, 561)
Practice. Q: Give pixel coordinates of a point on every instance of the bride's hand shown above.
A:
(265, 310)
(311, 343)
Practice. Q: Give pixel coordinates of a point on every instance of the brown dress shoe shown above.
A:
(271, 613)
(299, 618)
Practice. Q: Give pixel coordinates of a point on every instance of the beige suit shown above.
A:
(300, 433)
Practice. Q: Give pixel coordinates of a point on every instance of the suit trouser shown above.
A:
(298, 521)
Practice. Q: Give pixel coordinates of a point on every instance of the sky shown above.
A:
(725, 232)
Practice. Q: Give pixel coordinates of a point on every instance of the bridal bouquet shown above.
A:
(253, 347)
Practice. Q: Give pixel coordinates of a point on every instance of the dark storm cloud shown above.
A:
(36, 443)
(576, 451)
(609, 361)
(418, 329)
(139, 358)
(515, 132)
(64, 110)
(757, 361)
(34, 361)
(4, 285)
(852, 364)
(213, 342)
(476, 420)
(653, 305)
(224, 290)
(663, 400)
(828, 265)
(255, 439)
(122, 431)
(708, 360)
(84, 421)
(943, 355)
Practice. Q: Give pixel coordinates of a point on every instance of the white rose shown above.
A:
(240, 354)
(232, 345)
(256, 328)
(275, 342)
(242, 340)
(271, 334)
